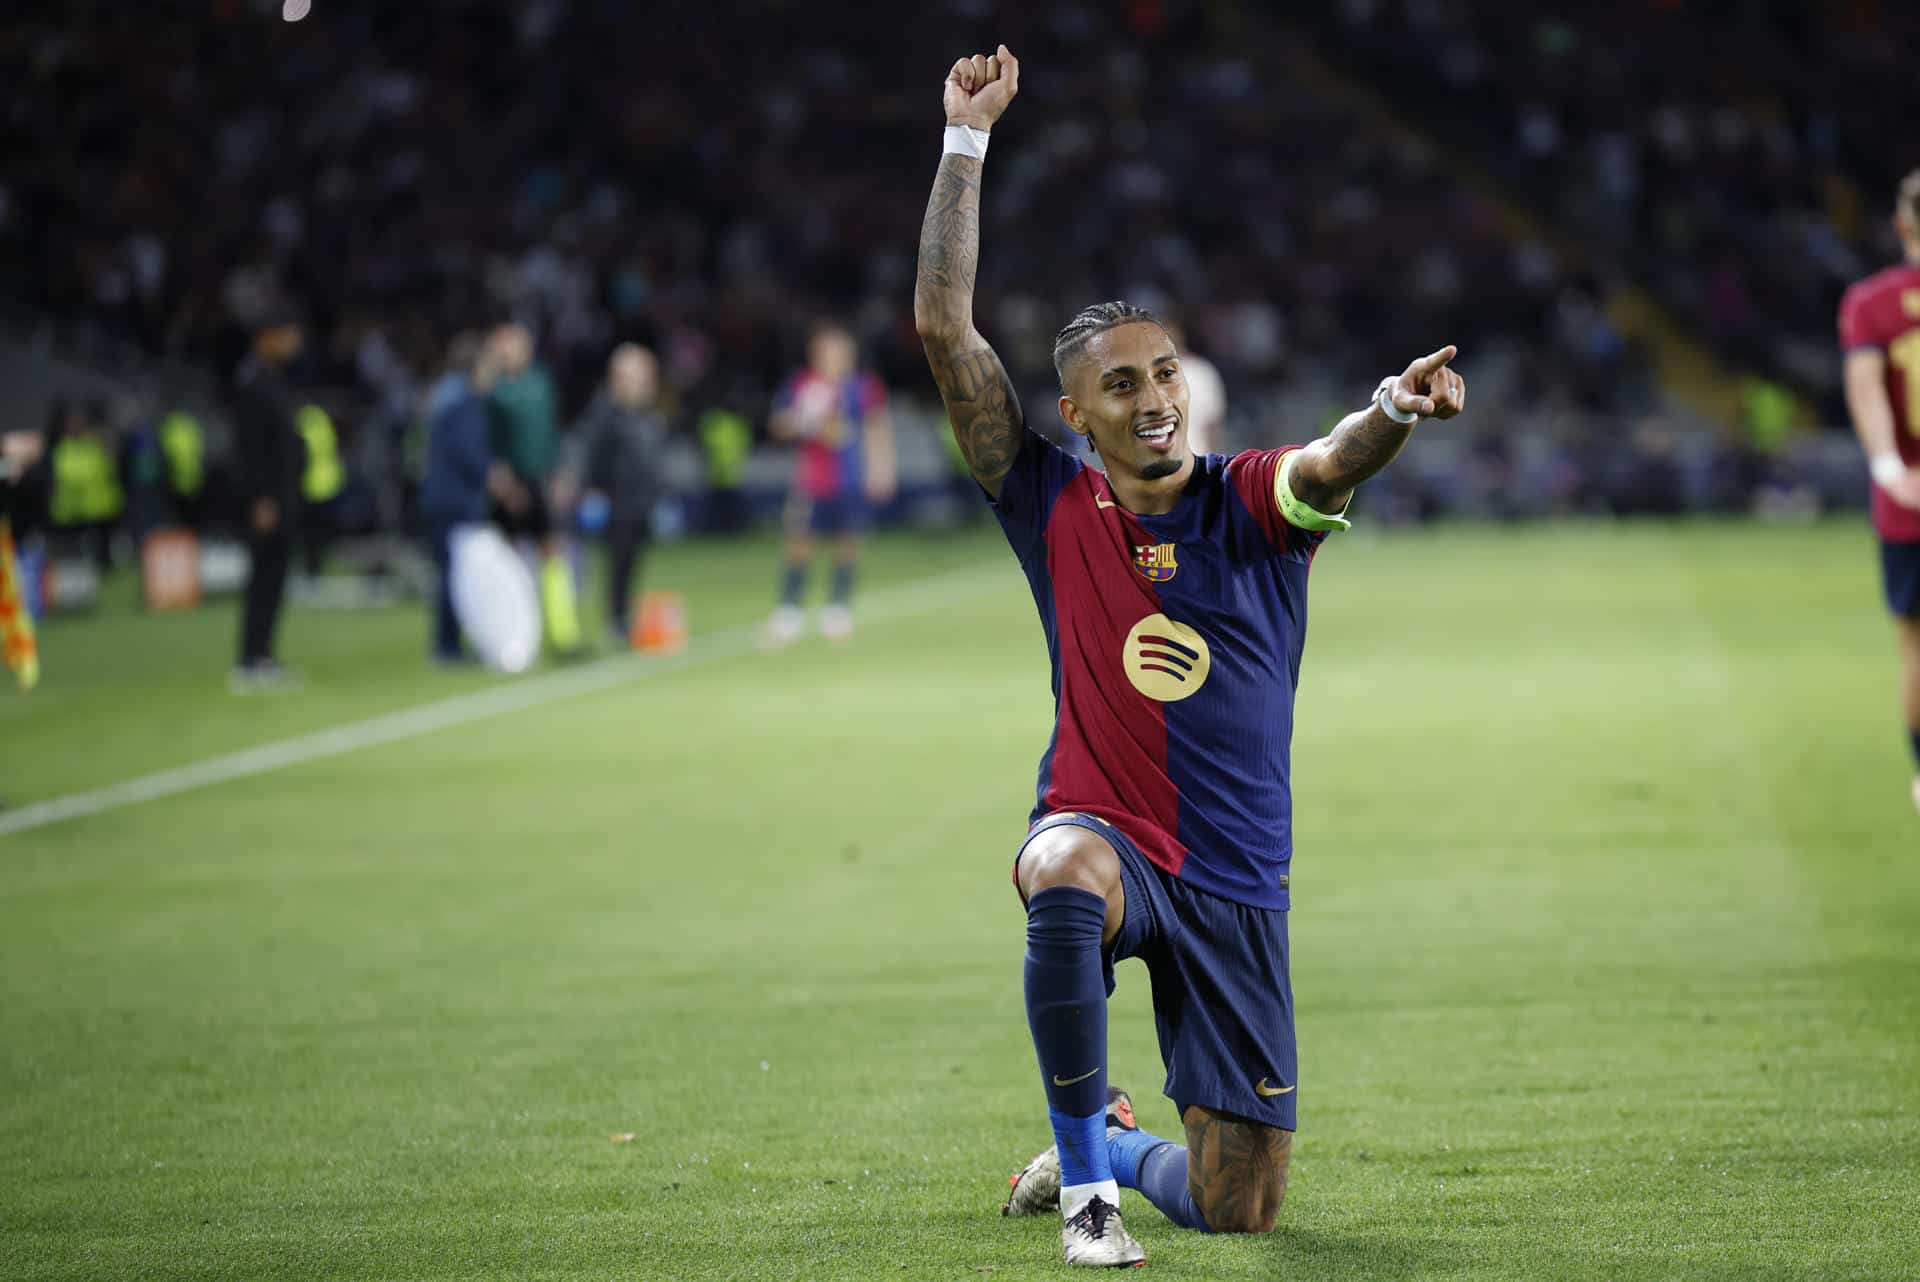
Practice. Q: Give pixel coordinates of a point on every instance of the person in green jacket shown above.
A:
(524, 431)
(525, 435)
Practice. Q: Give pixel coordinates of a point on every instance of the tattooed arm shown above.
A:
(1326, 472)
(981, 403)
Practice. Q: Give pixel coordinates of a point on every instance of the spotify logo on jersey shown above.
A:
(1166, 661)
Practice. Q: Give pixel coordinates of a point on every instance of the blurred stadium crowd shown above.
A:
(407, 173)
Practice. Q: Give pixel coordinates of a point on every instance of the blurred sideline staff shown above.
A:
(271, 465)
(609, 469)
(523, 429)
(87, 493)
(463, 477)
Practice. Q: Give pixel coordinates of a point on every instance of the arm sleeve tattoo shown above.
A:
(980, 399)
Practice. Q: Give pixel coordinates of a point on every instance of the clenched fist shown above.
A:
(979, 88)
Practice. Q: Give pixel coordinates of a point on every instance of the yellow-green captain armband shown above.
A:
(1296, 512)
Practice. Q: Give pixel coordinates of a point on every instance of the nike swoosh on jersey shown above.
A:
(1262, 1089)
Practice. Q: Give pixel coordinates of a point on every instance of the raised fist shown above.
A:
(979, 88)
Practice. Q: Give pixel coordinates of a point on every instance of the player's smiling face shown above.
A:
(1127, 394)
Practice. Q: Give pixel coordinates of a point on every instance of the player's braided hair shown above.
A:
(1097, 319)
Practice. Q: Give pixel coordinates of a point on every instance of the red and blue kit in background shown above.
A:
(1883, 312)
(829, 486)
(1176, 643)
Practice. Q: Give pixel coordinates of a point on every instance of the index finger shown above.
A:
(1428, 364)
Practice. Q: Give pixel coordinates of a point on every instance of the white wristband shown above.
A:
(1383, 398)
(965, 140)
(1887, 469)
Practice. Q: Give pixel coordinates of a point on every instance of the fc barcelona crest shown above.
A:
(1155, 561)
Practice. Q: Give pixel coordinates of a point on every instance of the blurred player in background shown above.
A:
(1173, 593)
(1880, 335)
(271, 460)
(837, 413)
(613, 457)
(1206, 398)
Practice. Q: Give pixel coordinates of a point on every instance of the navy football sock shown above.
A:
(1067, 1011)
(1913, 738)
(793, 585)
(843, 572)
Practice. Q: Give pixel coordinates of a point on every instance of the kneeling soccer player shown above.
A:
(1172, 590)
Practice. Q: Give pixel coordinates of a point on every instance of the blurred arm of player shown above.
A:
(981, 403)
(809, 415)
(883, 469)
(1324, 474)
(1872, 412)
(18, 452)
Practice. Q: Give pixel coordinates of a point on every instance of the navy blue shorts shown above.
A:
(1222, 996)
(1900, 575)
(840, 514)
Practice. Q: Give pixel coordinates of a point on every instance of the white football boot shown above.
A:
(836, 623)
(1036, 1189)
(1095, 1238)
(784, 628)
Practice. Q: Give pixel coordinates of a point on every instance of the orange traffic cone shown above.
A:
(660, 626)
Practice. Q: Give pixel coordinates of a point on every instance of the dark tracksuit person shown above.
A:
(455, 491)
(270, 462)
(614, 451)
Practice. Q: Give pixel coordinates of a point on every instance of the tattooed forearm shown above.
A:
(981, 405)
(981, 402)
(949, 249)
(1360, 444)
(1236, 1171)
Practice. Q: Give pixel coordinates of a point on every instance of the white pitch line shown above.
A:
(464, 709)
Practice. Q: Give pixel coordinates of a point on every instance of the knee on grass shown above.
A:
(1236, 1170)
(1230, 1211)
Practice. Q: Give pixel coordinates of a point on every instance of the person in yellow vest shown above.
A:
(322, 478)
(726, 438)
(87, 494)
(183, 452)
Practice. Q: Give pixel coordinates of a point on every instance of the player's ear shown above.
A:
(1070, 414)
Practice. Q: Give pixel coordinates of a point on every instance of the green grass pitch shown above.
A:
(1606, 939)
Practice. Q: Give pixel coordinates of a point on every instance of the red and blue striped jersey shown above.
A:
(833, 463)
(1176, 644)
